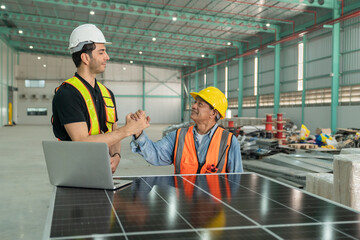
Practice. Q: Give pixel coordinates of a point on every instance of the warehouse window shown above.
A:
(300, 66)
(256, 72)
(249, 102)
(291, 99)
(36, 111)
(226, 81)
(232, 102)
(266, 100)
(35, 83)
(349, 94)
(318, 96)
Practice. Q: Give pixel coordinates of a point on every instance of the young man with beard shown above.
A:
(83, 108)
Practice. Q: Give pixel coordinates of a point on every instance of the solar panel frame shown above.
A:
(186, 207)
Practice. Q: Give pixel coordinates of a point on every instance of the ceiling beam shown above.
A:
(118, 45)
(312, 3)
(163, 14)
(55, 22)
(65, 54)
(120, 56)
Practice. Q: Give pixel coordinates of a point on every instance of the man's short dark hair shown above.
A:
(87, 48)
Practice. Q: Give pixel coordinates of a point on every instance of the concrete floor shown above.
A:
(24, 183)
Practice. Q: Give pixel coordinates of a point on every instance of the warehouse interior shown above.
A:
(289, 64)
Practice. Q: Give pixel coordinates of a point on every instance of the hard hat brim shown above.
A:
(81, 45)
(195, 94)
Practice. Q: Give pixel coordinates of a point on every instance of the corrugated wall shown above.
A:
(266, 72)
(351, 52)
(249, 76)
(319, 59)
(233, 79)
(162, 88)
(221, 77)
(289, 67)
(210, 77)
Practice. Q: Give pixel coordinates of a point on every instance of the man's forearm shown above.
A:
(115, 148)
(110, 139)
(79, 131)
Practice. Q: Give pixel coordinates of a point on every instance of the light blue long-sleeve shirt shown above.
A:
(161, 153)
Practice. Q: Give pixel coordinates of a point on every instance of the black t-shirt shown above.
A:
(69, 106)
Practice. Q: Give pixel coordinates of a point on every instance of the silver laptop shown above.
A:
(80, 164)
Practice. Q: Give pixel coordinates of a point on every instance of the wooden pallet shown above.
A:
(303, 146)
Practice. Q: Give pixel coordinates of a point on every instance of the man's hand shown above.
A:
(137, 116)
(114, 162)
(137, 122)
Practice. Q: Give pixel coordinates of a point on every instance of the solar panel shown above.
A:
(226, 206)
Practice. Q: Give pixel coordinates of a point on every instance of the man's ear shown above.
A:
(85, 58)
(213, 113)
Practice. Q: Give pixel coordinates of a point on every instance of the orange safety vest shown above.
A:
(108, 103)
(185, 156)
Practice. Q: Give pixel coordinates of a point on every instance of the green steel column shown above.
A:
(143, 87)
(215, 74)
(240, 83)
(335, 68)
(197, 81)
(7, 83)
(182, 98)
(303, 96)
(277, 74)
(1, 85)
(258, 87)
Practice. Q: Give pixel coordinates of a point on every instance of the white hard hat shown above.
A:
(84, 34)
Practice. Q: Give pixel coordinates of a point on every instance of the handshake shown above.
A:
(137, 122)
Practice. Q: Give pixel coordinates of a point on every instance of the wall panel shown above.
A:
(289, 68)
(162, 88)
(233, 79)
(249, 76)
(319, 61)
(266, 73)
(351, 52)
(221, 77)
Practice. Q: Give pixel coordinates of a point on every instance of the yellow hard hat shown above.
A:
(215, 98)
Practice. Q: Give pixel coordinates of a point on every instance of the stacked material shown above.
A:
(347, 180)
(292, 167)
(350, 151)
(321, 184)
(289, 174)
(267, 143)
(301, 162)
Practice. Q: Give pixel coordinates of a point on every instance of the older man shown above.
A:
(203, 148)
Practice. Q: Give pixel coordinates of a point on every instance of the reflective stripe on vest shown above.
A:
(109, 105)
(185, 156)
